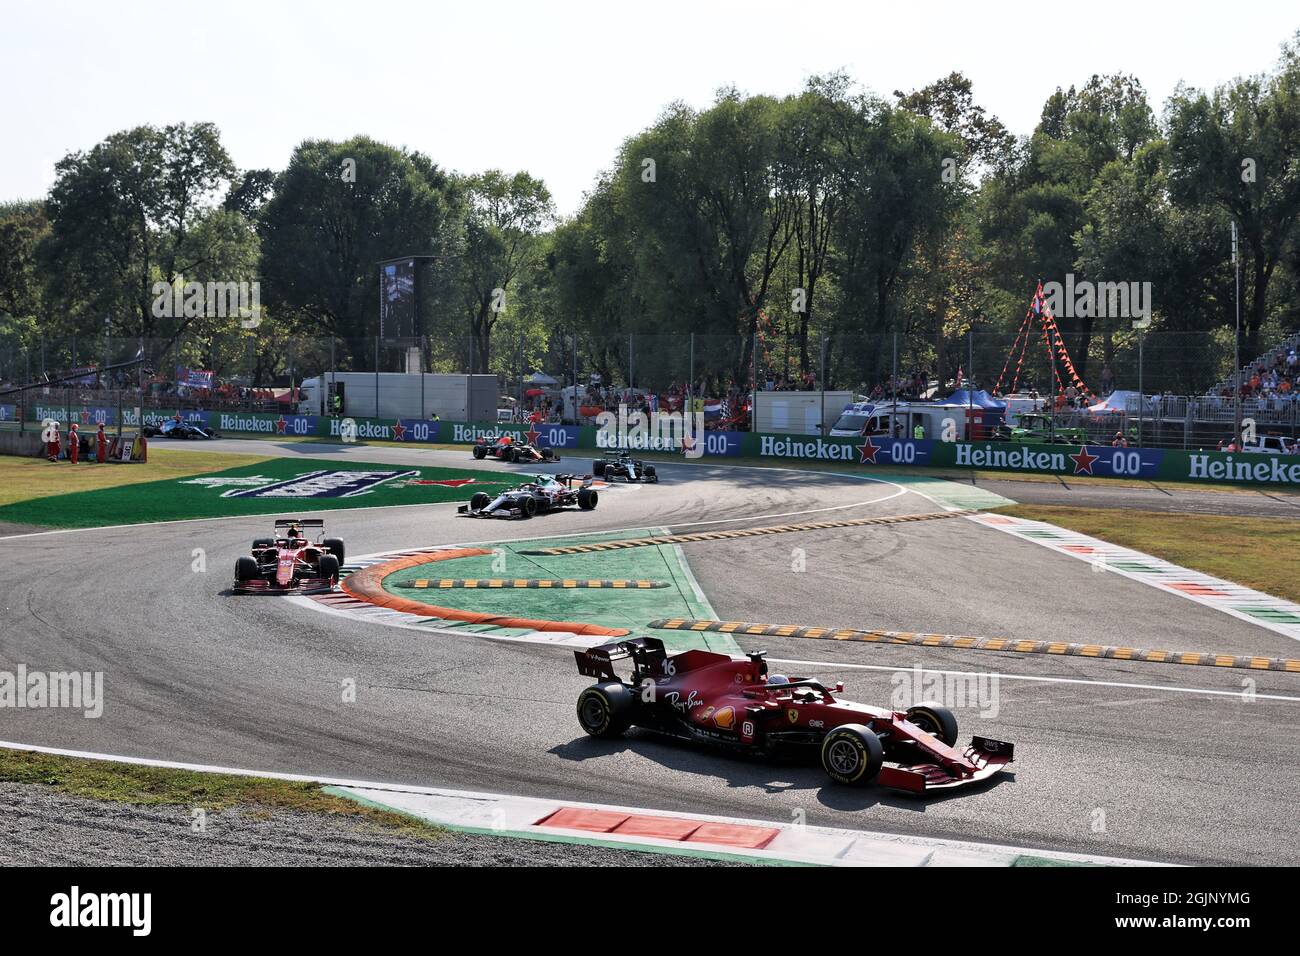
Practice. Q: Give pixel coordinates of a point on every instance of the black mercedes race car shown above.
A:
(171, 428)
(539, 495)
(623, 467)
(508, 448)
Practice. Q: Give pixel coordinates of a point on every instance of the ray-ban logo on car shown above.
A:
(313, 484)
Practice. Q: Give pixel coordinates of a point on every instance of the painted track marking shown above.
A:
(1000, 644)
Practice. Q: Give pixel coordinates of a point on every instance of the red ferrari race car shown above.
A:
(720, 700)
(289, 562)
(507, 448)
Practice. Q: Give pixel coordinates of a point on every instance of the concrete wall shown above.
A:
(27, 444)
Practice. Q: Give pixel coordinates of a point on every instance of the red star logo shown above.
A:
(533, 435)
(1083, 461)
(868, 449)
(280, 425)
(399, 432)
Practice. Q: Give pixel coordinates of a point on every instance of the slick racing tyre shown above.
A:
(936, 720)
(650, 475)
(528, 507)
(329, 567)
(605, 710)
(335, 547)
(587, 498)
(512, 456)
(479, 501)
(852, 754)
(479, 452)
(260, 543)
(598, 468)
(246, 569)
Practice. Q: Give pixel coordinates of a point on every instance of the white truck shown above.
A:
(458, 398)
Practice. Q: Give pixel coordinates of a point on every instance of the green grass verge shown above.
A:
(23, 479)
(632, 609)
(214, 792)
(179, 498)
(1255, 552)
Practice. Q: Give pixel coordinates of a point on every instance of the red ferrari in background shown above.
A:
(289, 561)
(714, 698)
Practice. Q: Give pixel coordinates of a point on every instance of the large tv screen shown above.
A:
(397, 299)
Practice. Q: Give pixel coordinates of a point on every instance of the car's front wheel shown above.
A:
(605, 710)
(479, 501)
(329, 568)
(936, 720)
(335, 547)
(852, 754)
(246, 569)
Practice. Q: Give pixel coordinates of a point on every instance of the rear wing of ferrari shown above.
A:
(598, 662)
(300, 522)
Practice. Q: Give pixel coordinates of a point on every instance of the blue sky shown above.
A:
(553, 87)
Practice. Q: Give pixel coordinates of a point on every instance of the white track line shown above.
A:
(1040, 680)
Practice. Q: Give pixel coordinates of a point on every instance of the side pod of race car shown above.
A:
(735, 704)
(541, 494)
(289, 562)
(507, 448)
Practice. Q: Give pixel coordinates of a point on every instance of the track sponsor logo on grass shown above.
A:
(322, 484)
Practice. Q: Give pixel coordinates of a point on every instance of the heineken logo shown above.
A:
(468, 434)
(1017, 459)
(1277, 470)
(772, 447)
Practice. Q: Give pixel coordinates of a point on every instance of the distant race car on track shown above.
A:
(289, 561)
(714, 698)
(539, 495)
(623, 467)
(507, 448)
(171, 428)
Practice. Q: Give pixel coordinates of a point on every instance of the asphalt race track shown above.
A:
(1154, 762)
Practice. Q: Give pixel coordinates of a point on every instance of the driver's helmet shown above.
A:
(294, 534)
(778, 679)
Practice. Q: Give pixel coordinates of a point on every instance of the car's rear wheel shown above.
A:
(335, 547)
(936, 720)
(479, 501)
(261, 543)
(246, 569)
(598, 468)
(329, 567)
(852, 754)
(605, 710)
(480, 452)
(587, 498)
(650, 474)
